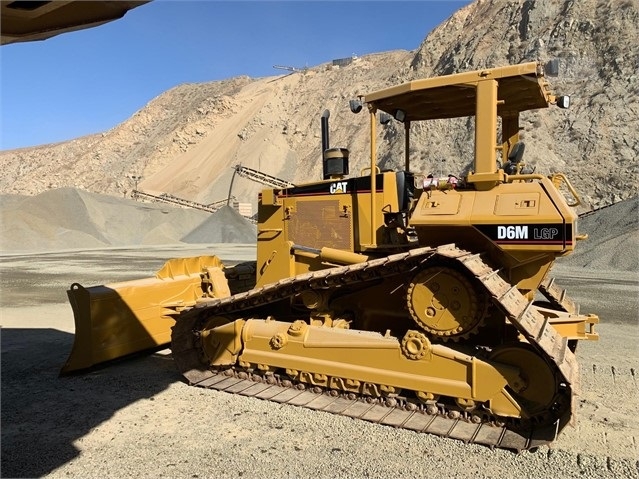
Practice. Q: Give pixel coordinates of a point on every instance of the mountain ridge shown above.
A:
(186, 141)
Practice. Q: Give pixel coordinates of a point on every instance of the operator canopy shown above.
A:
(520, 88)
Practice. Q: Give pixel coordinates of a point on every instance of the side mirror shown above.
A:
(563, 101)
(400, 115)
(551, 68)
(355, 106)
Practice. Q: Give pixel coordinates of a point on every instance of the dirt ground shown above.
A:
(137, 418)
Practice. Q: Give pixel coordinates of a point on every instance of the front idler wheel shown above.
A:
(537, 389)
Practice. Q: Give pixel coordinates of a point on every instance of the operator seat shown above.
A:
(405, 189)
(514, 158)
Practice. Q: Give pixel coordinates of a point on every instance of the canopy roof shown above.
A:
(24, 21)
(520, 87)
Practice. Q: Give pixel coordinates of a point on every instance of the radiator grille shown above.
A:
(321, 223)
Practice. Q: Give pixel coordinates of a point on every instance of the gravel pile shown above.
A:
(69, 218)
(223, 226)
(613, 238)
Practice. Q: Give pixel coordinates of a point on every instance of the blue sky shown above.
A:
(88, 81)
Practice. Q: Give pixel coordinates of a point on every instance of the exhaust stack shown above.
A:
(334, 160)
(325, 116)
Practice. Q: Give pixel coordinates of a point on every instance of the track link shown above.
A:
(557, 296)
(405, 415)
(402, 413)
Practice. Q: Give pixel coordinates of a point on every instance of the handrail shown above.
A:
(523, 177)
(557, 179)
(368, 168)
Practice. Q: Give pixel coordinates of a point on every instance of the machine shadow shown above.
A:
(48, 414)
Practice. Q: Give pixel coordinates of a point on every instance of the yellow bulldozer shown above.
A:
(398, 297)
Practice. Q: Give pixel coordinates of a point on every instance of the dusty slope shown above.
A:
(185, 141)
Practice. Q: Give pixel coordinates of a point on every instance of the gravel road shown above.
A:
(137, 418)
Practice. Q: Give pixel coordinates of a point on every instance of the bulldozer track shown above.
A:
(397, 412)
(403, 414)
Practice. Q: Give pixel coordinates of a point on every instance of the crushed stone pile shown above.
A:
(613, 238)
(224, 226)
(69, 218)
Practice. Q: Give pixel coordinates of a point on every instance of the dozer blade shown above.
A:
(115, 320)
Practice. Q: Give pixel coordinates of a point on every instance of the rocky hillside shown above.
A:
(186, 141)
(596, 141)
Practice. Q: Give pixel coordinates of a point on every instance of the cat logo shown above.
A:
(338, 187)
